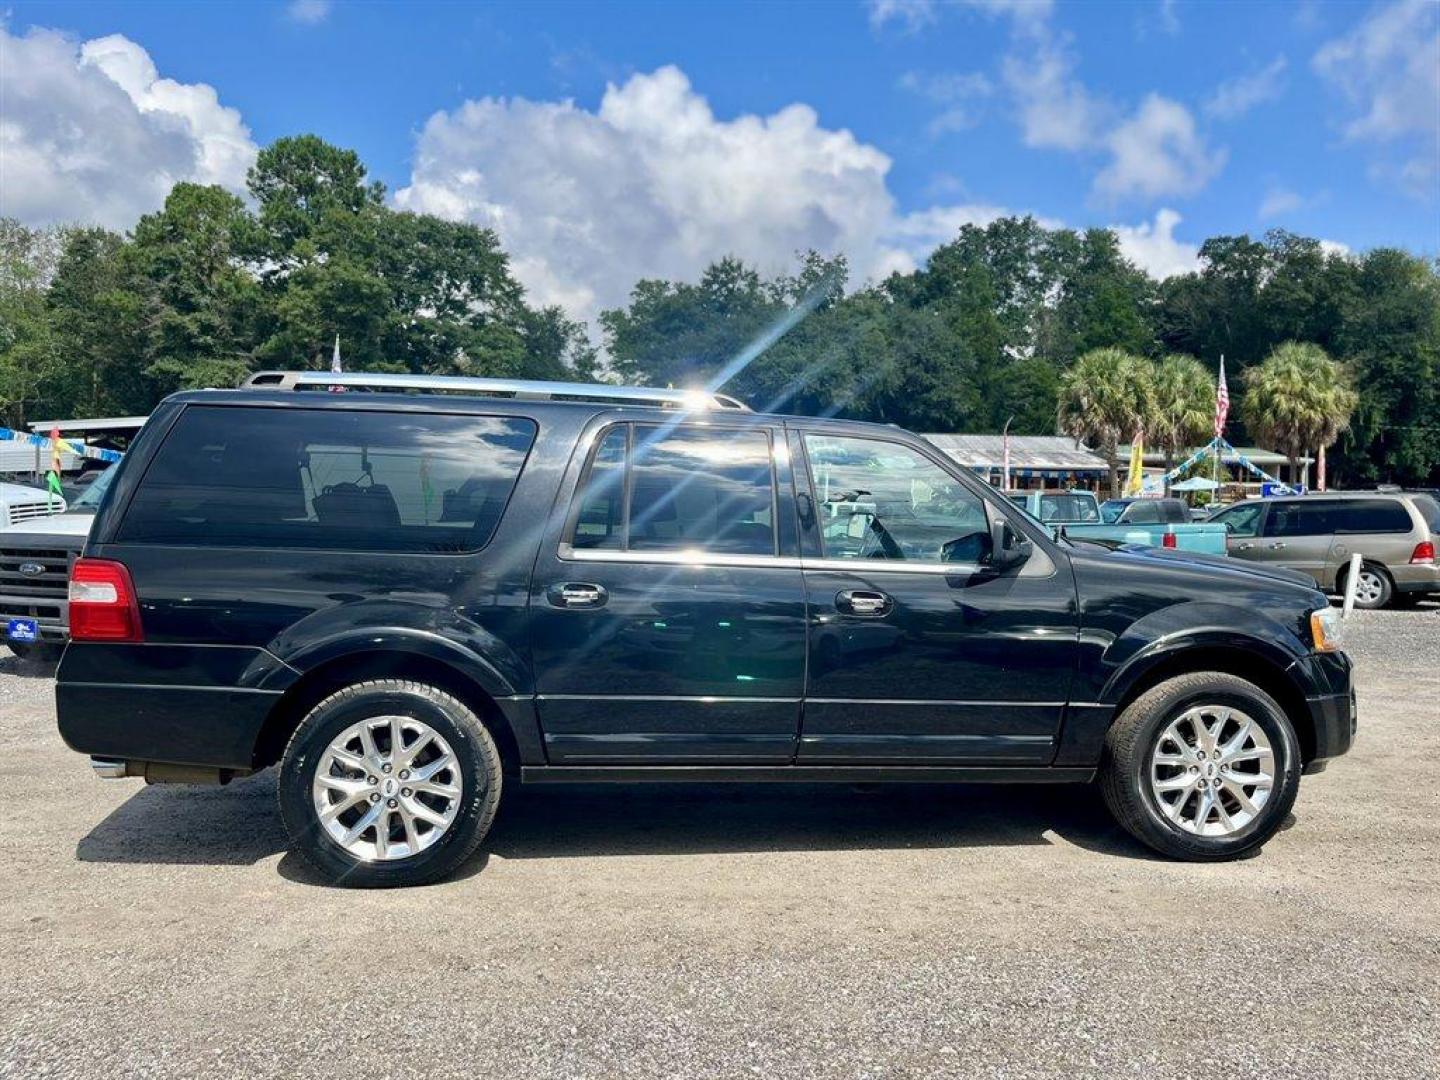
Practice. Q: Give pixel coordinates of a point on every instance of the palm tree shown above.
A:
(1298, 399)
(1184, 406)
(1105, 397)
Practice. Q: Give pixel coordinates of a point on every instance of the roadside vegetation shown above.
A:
(1005, 320)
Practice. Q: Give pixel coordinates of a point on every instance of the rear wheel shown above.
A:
(1201, 767)
(389, 782)
(1373, 587)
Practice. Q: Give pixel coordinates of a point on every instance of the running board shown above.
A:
(802, 774)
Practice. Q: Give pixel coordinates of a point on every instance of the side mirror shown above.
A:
(1007, 547)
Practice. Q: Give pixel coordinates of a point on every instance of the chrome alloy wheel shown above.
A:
(1368, 587)
(387, 788)
(1212, 770)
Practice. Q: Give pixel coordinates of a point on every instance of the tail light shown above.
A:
(1168, 540)
(1424, 552)
(103, 605)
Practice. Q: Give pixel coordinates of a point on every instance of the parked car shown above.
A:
(411, 601)
(1149, 521)
(1395, 532)
(35, 560)
(1058, 506)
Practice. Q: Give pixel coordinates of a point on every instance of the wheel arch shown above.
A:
(1256, 666)
(323, 679)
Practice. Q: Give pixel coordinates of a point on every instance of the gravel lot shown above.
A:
(725, 932)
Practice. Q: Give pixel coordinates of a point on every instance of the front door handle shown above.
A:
(1244, 547)
(875, 605)
(576, 594)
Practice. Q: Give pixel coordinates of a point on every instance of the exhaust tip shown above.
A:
(108, 769)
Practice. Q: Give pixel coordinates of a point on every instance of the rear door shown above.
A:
(667, 607)
(1298, 534)
(1380, 529)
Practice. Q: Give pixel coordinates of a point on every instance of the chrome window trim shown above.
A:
(704, 559)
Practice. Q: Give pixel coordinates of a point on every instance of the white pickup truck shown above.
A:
(36, 553)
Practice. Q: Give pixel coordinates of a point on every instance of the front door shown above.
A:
(668, 614)
(920, 653)
(1242, 529)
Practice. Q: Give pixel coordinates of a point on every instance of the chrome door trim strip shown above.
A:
(704, 699)
(937, 701)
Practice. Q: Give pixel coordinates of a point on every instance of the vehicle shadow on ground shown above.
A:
(10, 664)
(240, 824)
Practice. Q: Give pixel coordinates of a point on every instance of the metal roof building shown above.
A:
(1055, 457)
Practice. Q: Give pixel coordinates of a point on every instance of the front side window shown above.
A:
(678, 489)
(1242, 520)
(329, 479)
(883, 500)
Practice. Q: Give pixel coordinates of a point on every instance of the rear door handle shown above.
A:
(576, 594)
(875, 605)
(1277, 546)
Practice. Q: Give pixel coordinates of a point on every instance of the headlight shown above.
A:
(1327, 629)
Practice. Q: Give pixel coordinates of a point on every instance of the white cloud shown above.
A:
(1388, 69)
(1169, 17)
(910, 14)
(1056, 111)
(1335, 247)
(1280, 201)
(1158, 152)
(957, 93)
(91, 133)
(1152, 246)
(309, 12)
(652, 184)
(1237, 96)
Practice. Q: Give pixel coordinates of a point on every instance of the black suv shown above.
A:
(414, 593)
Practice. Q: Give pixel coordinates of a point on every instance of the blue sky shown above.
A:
(1171, 120)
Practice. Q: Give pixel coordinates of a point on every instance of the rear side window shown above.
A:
(1371, 516)
(668, 489)
(329, 479)
(1429, 508)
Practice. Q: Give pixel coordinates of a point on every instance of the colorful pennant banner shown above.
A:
(95, 453)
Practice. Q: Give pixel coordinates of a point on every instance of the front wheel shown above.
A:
(389, 782)
(1202, 767)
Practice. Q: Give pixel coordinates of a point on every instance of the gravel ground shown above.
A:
(725, 932)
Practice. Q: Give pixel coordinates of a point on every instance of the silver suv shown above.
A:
(1395, 533)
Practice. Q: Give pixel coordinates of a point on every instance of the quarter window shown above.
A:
(1371, 516)
(883, 500)
(678, 489)
(335, 479)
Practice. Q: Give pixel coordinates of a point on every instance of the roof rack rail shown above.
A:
(525, 389)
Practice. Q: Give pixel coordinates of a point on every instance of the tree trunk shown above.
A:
(1294, 468)
(1112, 458)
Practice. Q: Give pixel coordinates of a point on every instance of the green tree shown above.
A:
(1184, 406)
(1298, 399)
(1105, 397)
(28, 356)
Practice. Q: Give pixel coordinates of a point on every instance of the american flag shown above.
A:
(1222, 402)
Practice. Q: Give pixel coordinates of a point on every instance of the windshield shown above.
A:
(89, 499)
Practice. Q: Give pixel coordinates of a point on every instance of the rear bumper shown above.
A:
(1416, 577)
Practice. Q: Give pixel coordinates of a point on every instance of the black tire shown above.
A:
(1124, 776)
(479, 767)
(40, 652)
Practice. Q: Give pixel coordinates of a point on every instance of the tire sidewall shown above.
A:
(475, 753)
(1387, 588)
(1267, 714)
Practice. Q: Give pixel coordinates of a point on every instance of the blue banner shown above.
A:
(67, 446)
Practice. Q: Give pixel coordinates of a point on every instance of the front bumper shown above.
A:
(1330, 699)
